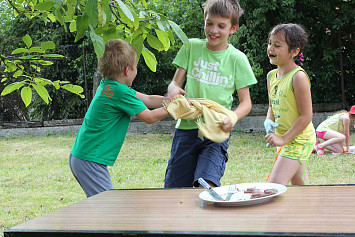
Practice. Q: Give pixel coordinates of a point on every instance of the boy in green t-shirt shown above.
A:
(213, 69)
(105, 125)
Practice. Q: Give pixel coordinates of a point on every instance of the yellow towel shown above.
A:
(212, 112)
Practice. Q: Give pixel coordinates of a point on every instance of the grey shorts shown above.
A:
(93, 178)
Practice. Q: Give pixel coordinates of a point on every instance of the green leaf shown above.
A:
(91, 10)
(10, 66)
(43, 62)
(109, 34)
(82, 25)
(56, 84)
(179, 33)
(12, 87)
(52, 56)
(59, 16)
(125, 10)
(47, 45)
(38, 69)
(20, 50)
(164, 38)
(18, 73)
(138, 45)
(36, 50)
(107, 11)
(99, 44)
(43, 93)
(171, 37)
(149, 59)
(74, 89)
(26, 95)
(162, 25)
(44, 6)
(28, 41)
(71, 4)
(72, 26)
(154, 42)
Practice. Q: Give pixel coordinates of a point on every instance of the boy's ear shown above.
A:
(126, 70)
(233, 29)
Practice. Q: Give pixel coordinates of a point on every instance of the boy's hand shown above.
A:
(227, 125)
(174, 92)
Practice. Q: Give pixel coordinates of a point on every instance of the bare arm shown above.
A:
(346, 124)
(151, 101)
(270, 114)
(175, 85)
(152, 116)
(245, 104)
(241, 111)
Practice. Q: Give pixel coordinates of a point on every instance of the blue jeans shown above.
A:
(193, 158)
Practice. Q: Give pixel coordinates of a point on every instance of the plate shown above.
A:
(239, 198)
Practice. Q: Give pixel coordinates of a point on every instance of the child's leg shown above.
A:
(301, 176)
(334, 141)
(93, 178)
(183, 159)
(211, 162)
(284, 170)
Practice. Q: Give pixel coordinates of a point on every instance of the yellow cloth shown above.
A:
(212, 112)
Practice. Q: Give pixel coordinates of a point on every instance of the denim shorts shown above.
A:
(193, 158)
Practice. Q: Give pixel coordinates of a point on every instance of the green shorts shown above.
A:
(298, 149)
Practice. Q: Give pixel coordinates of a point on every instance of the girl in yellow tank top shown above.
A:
(290, 105)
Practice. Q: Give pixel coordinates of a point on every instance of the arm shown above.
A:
(270, 114)
(241, 111)
(152, 116)
(151, 101)
(175, 85)
(304, 105)
(346, 124)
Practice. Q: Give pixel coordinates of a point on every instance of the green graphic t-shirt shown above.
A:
(105, 125)
(213, 75)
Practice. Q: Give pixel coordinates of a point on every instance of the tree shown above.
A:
(98, 20)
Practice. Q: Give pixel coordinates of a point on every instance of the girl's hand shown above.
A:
(274, 140)
(227, 125)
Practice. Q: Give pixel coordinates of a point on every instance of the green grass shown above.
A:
(35, 177)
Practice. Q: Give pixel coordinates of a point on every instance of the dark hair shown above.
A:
(295, 36)
(224, 8)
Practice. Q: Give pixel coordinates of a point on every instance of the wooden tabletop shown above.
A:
(300, 211)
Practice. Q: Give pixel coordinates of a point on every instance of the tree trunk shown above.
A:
(96, 82)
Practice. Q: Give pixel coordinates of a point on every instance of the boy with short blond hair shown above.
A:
(105, 125)
(212, 69)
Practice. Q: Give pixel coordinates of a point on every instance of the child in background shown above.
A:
(105, 125)
(335, 131)
(290, 105)
(213, 69)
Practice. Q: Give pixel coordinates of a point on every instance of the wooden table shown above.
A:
(300, 211)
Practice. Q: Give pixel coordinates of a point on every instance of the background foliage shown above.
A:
(330, 25)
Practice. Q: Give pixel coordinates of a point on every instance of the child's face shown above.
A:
(277, 50)
(217, 30)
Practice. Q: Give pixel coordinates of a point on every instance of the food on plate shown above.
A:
(257, 193)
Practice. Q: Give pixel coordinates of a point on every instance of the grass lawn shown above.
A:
(35, 177)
